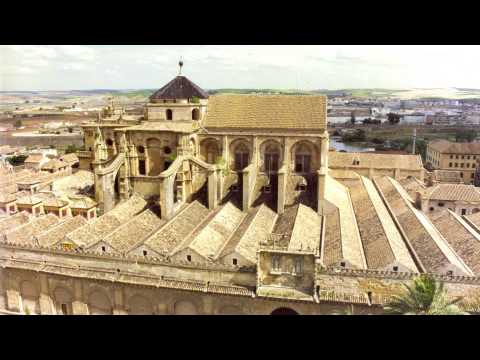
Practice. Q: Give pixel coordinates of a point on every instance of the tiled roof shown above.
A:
(24, 234)
(464, 240)
(454, 192)
(13, 221)
(448, 147)
(338, 159)
(29, 200)
(168, 237)
(53, 164)
(306, 231)
(57, 233)
(70, 158)
(179, 88)
(266, 111)
(133, 231)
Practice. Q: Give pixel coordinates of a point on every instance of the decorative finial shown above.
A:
(180, 64)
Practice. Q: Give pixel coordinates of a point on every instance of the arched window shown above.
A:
(169, 114)
(242, 157)
(303, 159)
(272, 155)
(195, 114)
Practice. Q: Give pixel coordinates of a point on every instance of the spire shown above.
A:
(180, 65)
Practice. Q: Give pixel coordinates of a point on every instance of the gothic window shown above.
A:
(242, 157)
(303, 159)
(276, 263)
(298, 266)
(169, 114)
(272, 155)
(195, 114)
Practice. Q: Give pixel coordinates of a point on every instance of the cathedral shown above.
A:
(234, 204)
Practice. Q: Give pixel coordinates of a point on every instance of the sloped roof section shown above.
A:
(454, 192)
(445, 146)
(179, 88)
(267, 111)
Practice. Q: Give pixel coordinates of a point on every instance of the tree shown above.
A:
(393, 118)
(465, 136)
(352, 118)
(425, 297)
(71, 149)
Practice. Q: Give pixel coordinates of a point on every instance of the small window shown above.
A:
(169, 114)
(461, 175)
(431, 209)
(189, 258)
(235, 262)
(449, 273)
(450, 164)
(464, 211)
(144, 252)
(103, 249)
(462, 165)
(141, 149)
(141, 167)
(195, 114)
(456, 164)
(167, 150)
(109, 142)
(395, 268)
(343, 264)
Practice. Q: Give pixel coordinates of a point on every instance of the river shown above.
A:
(340, 146)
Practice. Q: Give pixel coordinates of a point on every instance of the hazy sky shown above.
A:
(67, 67)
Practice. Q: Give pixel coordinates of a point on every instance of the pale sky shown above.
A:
(79, 67)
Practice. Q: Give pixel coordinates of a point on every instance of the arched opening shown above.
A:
(169, 114)
(185, 308)
(99, 304)
(30, 298)
(284, 311)
(139, 305)
(195, 114)
(154, 155)
(209, 150)
(63, 301)
(242, 156)
(303, 159)
(271, 158)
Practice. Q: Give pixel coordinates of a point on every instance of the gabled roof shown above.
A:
(70, 158)
(267, 111)
(179, 88)
(454, 192)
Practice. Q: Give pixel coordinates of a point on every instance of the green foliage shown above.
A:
(71, 149)
(220, 162)
(393, 118)
(358, 135)
(465, 136)
(425, 297)
(17, 160)
(195, 100)
(172, 157)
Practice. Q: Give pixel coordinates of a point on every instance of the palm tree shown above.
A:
(425, 297)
